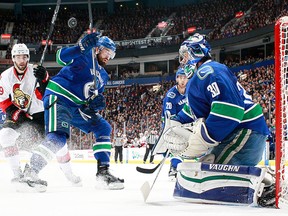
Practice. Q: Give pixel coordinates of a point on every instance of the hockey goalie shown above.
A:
(228, 135)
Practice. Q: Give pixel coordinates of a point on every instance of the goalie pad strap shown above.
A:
(219, 184)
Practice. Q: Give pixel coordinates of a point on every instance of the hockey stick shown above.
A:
(93, 52)
(159, 146)
(45, 48)
(152, 170)
(145, 188)
(50, 30)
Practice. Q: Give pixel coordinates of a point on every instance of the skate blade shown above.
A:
(78, 184)
(100, 184)
(25, 187)
(116, 186)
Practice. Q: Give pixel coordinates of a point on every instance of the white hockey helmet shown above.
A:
(20, 49)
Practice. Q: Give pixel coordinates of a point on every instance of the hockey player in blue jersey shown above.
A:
(173, 103)
(229, 130)
(73, 97)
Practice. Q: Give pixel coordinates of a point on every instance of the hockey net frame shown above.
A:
(281, 103)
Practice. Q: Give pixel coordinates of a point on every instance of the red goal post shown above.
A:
(281, 103)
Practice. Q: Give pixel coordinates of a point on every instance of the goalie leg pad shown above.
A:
(219, 184)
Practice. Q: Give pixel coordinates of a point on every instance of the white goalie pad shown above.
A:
(219, 183)
(189, 140)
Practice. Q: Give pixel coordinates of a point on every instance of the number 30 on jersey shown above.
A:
(213, 88)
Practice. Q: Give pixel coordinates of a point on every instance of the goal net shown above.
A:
(281, 103)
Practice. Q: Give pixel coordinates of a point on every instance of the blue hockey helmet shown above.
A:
(191, 51)
(106, 42)
(180, 72)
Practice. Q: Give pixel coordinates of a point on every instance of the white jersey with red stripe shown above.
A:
(18, 89)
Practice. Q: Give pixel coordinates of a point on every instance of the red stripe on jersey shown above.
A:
(4, 104)
(38, 94)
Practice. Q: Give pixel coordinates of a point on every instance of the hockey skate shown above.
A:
(75, 180)
(172, 173)
(111, 182)
(31, 182)
(17, 176)
(268, 197)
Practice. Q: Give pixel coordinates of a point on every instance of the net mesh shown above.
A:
(281, 79)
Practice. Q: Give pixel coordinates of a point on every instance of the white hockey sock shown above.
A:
(66, 167)
(14, 162)
(63, 158)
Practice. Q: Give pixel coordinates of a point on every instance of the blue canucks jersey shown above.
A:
(173, 101)
(215, 94)
(75, 83)
(2, 118)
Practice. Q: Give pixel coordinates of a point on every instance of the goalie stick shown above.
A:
(159, 147)
(46, 45)
(145, 188)
(152, 170)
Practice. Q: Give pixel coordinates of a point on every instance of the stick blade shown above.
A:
(145, 190)
(145, 170)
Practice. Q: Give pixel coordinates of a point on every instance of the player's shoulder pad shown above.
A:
(171, 94)
(204, 71)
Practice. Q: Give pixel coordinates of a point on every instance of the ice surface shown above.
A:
(63, 199)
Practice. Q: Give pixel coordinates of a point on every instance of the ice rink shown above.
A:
(89, 200)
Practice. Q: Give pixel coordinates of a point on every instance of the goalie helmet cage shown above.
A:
(281, 103)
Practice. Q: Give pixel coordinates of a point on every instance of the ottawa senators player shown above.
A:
(21, 90)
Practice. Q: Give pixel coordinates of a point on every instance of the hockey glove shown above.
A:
(88, 42)
(89, 115)
(15, 116)
(41, 73)
(97, 103)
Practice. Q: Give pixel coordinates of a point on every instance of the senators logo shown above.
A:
(20, 98)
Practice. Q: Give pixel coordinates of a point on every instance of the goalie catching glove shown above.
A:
(189, 140)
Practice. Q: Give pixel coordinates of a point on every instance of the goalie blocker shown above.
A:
(221, 184)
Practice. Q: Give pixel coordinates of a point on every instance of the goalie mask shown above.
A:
(20, 57)
(192, 51)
